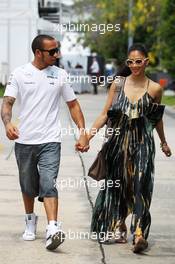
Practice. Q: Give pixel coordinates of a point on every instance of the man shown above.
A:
(95, 71)
(39, 86)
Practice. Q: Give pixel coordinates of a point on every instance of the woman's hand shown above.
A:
(82, 144)
(166, 149)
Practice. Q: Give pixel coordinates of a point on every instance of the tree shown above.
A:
(166, 47)
(150, 20)
(113, 43)
(145, 24)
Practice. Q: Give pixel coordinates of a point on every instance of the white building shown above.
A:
(21, 21)
(18, 25)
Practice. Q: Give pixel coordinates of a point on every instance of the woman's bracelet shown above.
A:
(164, 143)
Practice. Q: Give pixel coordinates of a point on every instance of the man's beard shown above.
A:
(47, 63)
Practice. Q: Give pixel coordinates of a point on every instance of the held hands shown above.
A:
(82, 144)
(11, 131)
(166, 149)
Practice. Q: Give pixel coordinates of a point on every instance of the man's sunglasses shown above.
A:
(52, 51)
(138, 62)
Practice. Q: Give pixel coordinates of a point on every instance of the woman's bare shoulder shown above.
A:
(118, 82)
(154, 88)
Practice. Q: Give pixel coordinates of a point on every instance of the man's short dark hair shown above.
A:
(37, 43)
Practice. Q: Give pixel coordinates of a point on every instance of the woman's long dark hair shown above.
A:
(124, 71)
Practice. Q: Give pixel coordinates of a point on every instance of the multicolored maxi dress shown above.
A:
(129, 165)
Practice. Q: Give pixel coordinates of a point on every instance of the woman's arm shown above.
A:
(102, 118)
(160, 126)
(164, 146)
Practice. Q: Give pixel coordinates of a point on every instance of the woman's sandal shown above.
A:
(120, 236)
(141, 244)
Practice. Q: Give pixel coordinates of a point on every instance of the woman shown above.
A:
(136, 110)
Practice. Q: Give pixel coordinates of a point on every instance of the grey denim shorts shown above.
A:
(38, 167)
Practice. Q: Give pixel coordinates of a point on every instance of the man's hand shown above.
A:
(82, 144)
(75, 110)
(11, 131)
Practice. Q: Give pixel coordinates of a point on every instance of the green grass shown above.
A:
(168, 100)
(2, 88)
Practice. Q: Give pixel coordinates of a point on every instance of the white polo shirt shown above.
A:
(39, 93)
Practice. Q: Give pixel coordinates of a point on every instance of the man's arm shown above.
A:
(77, 116)
(6, 115)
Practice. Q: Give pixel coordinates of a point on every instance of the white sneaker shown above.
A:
(30, 230)
(54, 236)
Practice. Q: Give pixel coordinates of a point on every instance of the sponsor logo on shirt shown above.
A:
(28, 74)
(52, 77)
(29, 82)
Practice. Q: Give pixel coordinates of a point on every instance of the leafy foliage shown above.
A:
(152, 23)
(167, 36)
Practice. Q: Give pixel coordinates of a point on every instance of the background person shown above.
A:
(94, 70)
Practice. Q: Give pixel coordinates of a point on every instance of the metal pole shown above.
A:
(8, 40)
(60, 17)
(29, 30)
(130, 34)
(60, 12)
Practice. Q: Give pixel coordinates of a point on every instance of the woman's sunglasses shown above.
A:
(52, 51)
(138, 62)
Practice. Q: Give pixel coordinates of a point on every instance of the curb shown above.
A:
(170, 111)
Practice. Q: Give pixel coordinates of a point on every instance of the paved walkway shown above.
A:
(76, 201)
